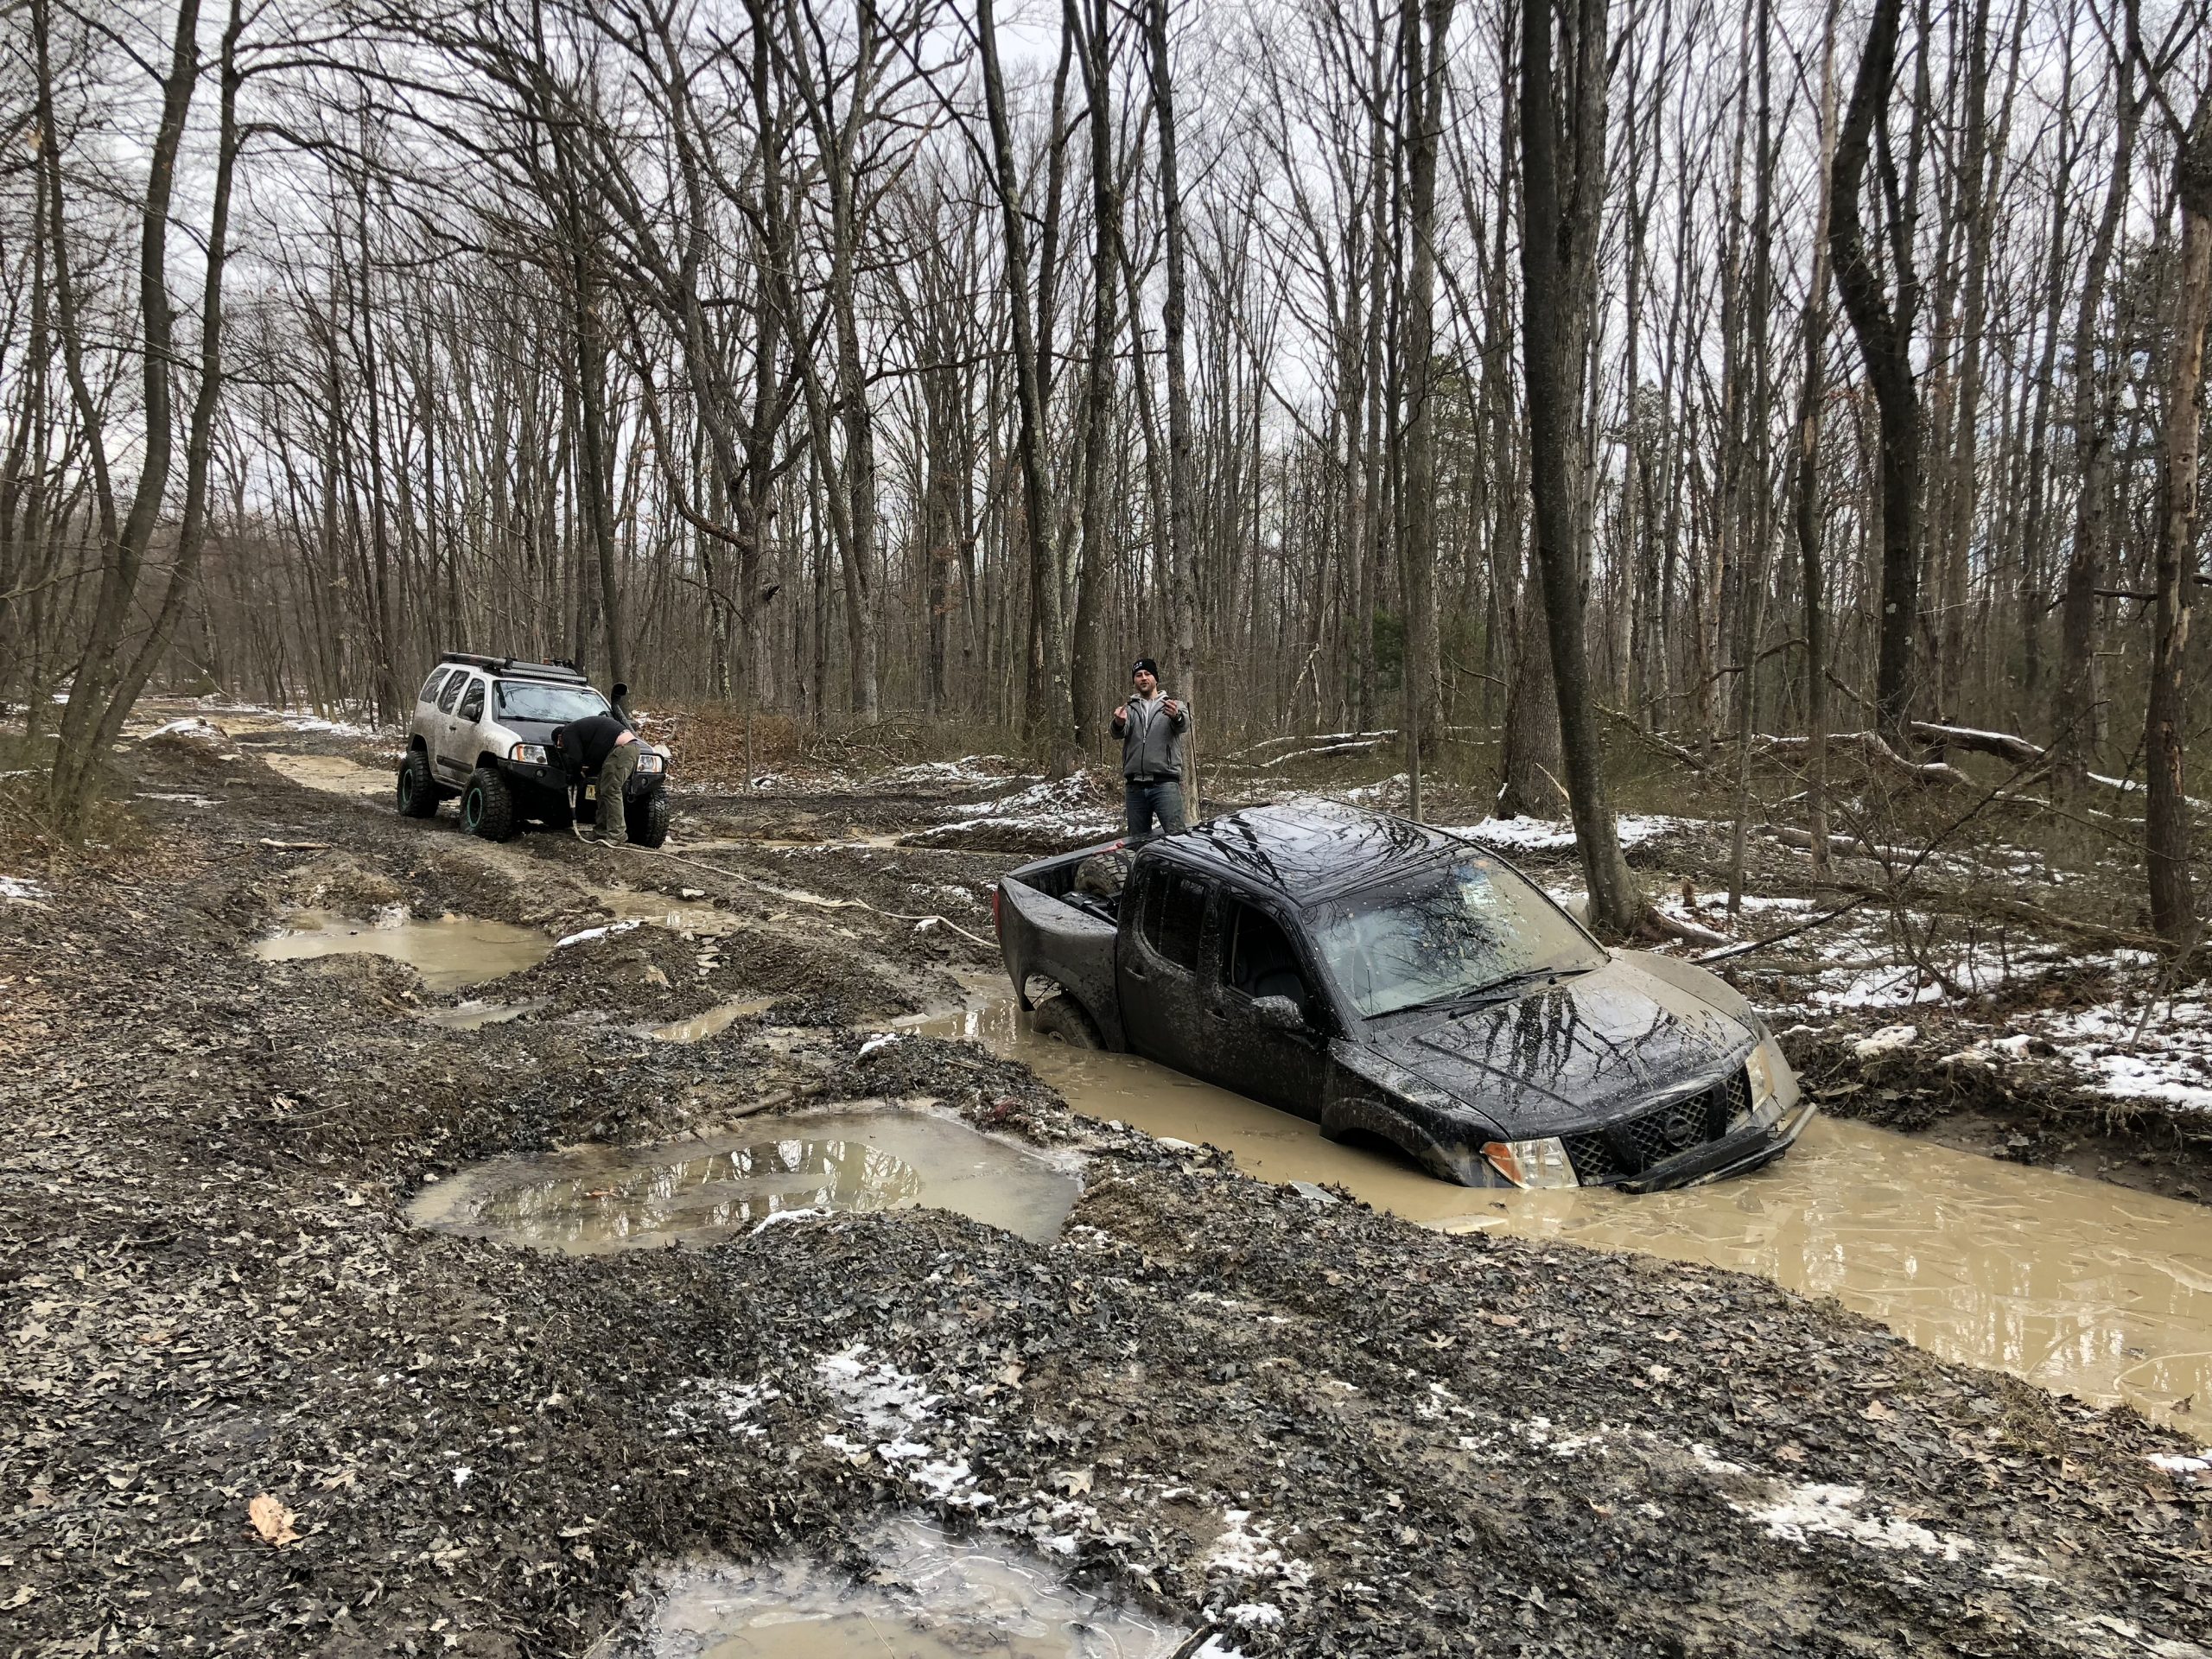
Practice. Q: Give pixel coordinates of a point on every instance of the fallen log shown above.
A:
(1876, 751)
(2003, 745)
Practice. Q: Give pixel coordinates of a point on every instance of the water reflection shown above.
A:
(926, 1595)
(2077, 1285)
(594, 1199)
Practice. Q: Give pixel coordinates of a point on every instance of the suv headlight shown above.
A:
(530, 754)
(1766, 1101)
(1532, 1163)
(651, 762)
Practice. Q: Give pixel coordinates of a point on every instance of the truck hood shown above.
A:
(1568, 1055)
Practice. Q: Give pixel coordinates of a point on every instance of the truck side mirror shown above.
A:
(1279, 1013)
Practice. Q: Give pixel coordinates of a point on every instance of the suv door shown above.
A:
(444, 741)
(1157, 963)
(1252, 954)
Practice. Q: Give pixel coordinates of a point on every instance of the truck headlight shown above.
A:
(1532, 1163)
(651, 762)
(1766, 1099)
(530, 754)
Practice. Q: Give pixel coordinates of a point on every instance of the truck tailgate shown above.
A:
(1039, 935)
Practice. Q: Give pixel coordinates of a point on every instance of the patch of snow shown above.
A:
(1247, 1549)
(14, 890)
(1549, 834)
(2177, 1463)
(776, 1216)
(1819, 1509)
(590, 933)
(1262, 1615)
(714, 1403)
(883, 1040)
(1890, 1039)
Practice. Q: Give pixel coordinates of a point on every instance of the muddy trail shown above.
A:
(248, 1402)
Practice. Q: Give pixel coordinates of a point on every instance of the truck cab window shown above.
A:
(432, 686)
(1174, 915)
(452, 691)
(1260, 961)
(472, 705)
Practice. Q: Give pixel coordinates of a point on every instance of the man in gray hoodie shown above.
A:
(1151, 727)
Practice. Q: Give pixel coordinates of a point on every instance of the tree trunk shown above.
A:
(2165, 823)
(1561, 196)
(1052, 724)
(1884, 342)
(1182, 586)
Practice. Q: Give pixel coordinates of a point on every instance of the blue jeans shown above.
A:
(1144, 802)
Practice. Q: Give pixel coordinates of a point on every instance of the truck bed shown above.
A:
(1050, 928)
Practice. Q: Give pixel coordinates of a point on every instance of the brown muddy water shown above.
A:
(715, 1021)
(927, 1595)
(449, 953)
(2079, 1286)
(585, 1200)
(328, 772)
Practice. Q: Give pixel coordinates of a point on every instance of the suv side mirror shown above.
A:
(1279, 1013)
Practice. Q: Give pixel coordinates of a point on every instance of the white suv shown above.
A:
(483, 730)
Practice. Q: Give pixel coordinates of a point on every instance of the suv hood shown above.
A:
(1567, 1057)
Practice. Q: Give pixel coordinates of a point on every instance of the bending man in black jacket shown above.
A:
(604, 741)
(1151, 726)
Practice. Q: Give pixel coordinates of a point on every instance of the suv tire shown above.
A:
(418, 794)
(1061, 1018)
(487, 805)
(646, 818)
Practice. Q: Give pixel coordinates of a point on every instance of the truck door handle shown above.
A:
(1134, 972)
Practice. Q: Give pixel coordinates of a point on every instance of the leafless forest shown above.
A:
(1798, 378)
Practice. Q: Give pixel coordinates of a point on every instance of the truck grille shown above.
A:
(1620, 1151)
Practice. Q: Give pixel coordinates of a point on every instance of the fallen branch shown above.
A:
(295, 846)
(1672, 750)
(1730, 952)
(2003, 745)
(1869, 745)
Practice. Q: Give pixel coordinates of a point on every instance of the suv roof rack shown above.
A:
(562, 670)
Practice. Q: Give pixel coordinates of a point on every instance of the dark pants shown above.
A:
(614, 780)
(1145, 802)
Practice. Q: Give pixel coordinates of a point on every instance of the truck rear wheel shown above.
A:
(1061, 1018)
(418, 794)
(487, 806)
(646, 818)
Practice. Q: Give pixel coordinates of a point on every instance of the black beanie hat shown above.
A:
(1144, 665)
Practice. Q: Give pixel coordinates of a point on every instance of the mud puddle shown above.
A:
(926, 1595)
(328, 772)
(450, 953)
(715, 1021)
(474, 1015)
(2076, 1284)
(590, 1199)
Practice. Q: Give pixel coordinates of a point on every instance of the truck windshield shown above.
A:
(531, 700)
(1451, 931)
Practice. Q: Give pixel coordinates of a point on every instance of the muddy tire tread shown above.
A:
(418, 793)
(646, 818)
(487, 806)
(1060, 1015)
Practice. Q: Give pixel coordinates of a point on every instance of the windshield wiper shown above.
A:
(1475, 992)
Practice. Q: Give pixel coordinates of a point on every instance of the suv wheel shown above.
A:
(418, 795)
(487, 806)
(646, 818)
(1062, 1019)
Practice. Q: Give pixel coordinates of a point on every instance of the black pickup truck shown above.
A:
(1381, 976)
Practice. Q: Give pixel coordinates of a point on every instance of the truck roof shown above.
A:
(520, 668)
(1308, 849)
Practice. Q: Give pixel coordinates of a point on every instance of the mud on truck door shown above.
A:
(1253, 965)
(1164, 921)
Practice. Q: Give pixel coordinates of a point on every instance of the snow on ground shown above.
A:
(14, 890)
(294, 720)
(1554, 834)
(2171, 1063)
(968, 769)
(1065, 809)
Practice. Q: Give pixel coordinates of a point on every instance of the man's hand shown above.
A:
(1121, 713)
(1175, 709)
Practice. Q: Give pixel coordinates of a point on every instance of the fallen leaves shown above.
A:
(272, 1520)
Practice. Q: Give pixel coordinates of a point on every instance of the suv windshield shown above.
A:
(1449, 931)
(534, 700)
